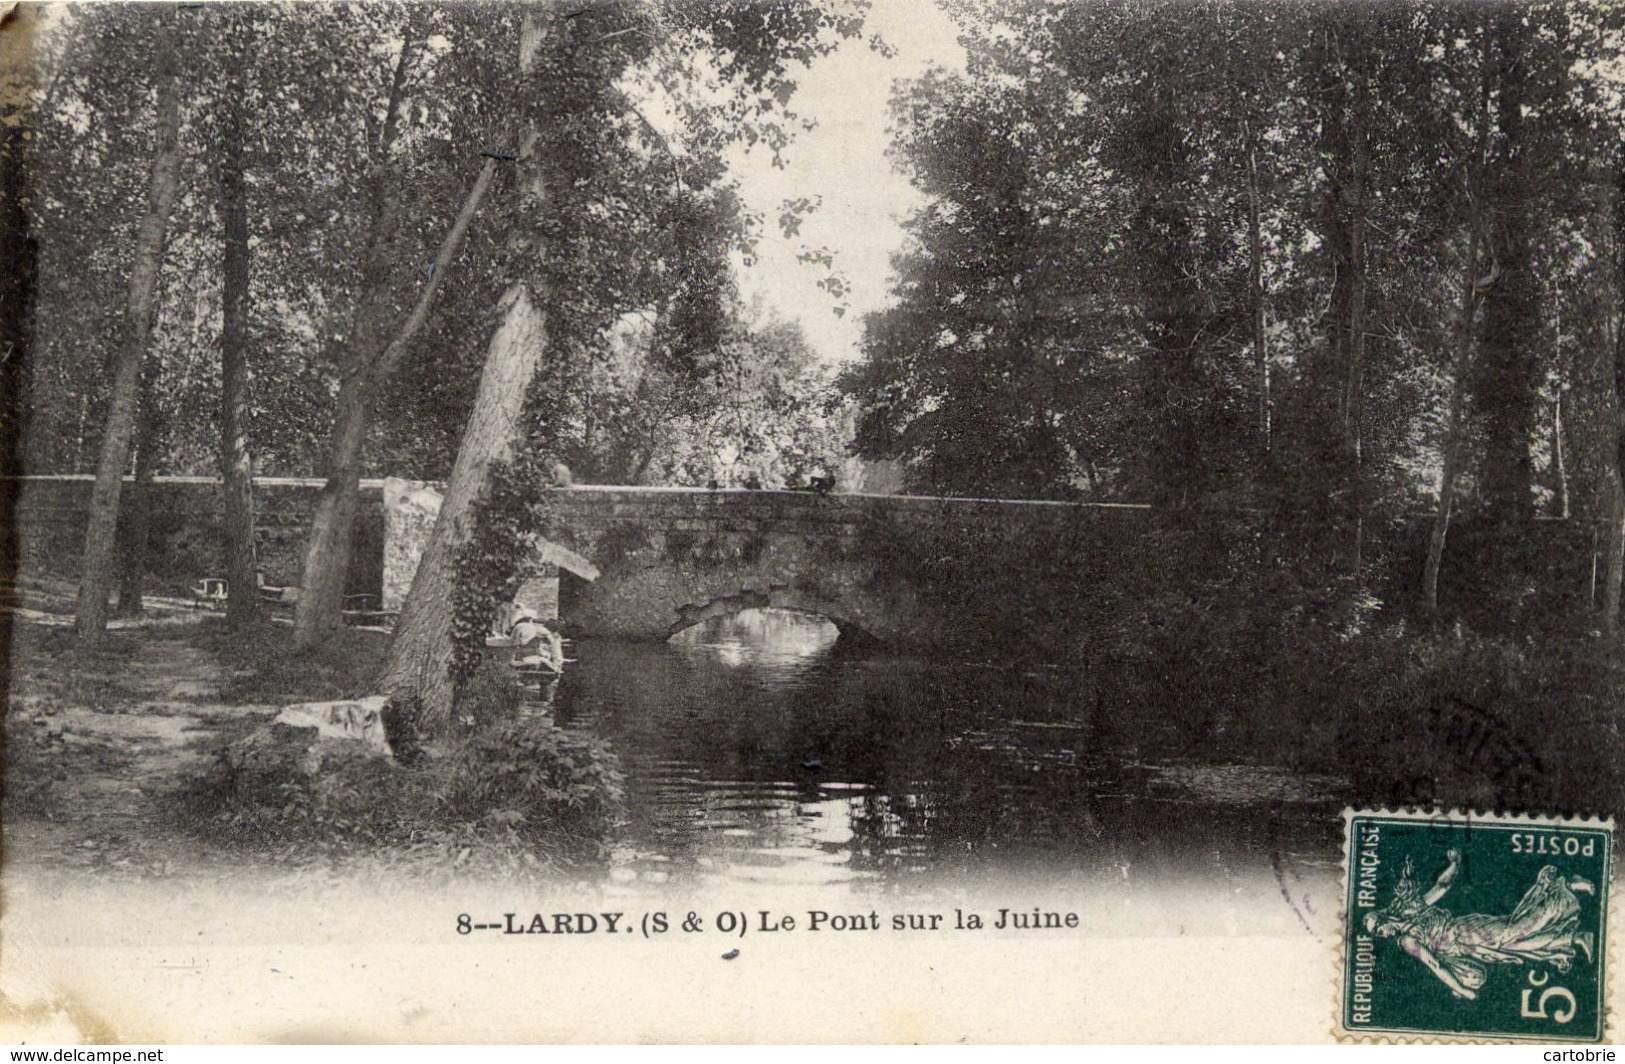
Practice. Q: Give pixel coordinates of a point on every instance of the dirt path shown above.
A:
(96, 748)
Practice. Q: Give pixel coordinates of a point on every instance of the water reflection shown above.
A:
(777, 640)
(755, 755)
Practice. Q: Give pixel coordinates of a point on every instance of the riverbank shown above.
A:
(114, 765)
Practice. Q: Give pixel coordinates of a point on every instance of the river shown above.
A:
(757, 754)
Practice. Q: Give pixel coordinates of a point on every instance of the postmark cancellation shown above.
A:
(1472, 927)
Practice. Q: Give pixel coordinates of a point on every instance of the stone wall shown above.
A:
(48, 515)
(410, 510)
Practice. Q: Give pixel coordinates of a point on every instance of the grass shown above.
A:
(264, 668)
(50, 663)
(516, 795)
(44, 761)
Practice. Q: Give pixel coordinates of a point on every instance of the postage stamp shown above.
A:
(1460, 926)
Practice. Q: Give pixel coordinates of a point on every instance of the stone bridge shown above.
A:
(906, 570)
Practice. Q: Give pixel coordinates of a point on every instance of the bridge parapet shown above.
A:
(595, 504)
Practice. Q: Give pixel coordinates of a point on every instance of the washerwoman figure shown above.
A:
(1544, 928)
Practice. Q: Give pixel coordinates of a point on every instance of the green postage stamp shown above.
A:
(1461, 926)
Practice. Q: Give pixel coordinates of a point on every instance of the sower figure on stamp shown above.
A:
(1544, 928)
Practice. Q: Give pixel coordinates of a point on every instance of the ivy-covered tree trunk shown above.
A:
(236, 470)
(420, 655)
(101, 534)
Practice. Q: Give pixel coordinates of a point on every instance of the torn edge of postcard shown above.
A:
(1474, 927)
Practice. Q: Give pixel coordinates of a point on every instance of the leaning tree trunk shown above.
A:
(101, 534)
(327, 558)
(421, 653)
(236, 469)
(327, 554)
(327, 561)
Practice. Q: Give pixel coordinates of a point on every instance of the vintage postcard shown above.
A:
(811, 520)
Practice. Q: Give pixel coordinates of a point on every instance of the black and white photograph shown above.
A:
(858, 521)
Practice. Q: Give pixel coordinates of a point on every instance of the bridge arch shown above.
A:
(776, 596)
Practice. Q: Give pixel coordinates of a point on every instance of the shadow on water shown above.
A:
(755, 754)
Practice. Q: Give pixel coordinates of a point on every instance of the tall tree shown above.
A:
(1454, 422)
(236, 467)
(135, 520)
(1506, 378)
(327, 559)
(1613, 528)
(100, 560)
(19, 73)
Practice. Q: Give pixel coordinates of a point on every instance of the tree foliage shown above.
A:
(1210, 253)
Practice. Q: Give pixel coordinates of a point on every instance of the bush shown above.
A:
(1330, 680)
(541, 781)
(400, 717)
(1461, 719)
(492, 695)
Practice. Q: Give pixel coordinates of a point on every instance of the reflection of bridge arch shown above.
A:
(776, 596)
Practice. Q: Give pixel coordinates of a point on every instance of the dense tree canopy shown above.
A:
(1348, 265)
(347, 206)
(1215, 253)
(1076, 312)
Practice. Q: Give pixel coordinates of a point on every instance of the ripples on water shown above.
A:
(756, 753)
